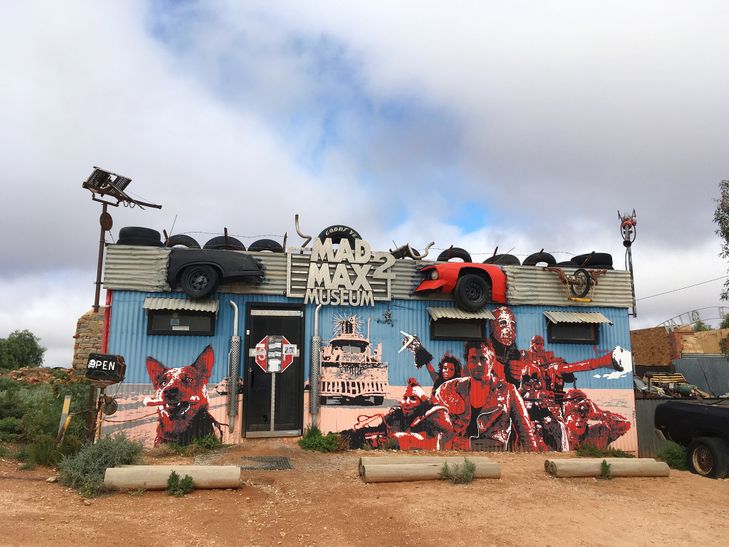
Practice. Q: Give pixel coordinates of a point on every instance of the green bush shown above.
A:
(675, 455)
(179, 487)
(605, 471)
(589, 450)
(460, 474)
(84, 471)
(314, 440)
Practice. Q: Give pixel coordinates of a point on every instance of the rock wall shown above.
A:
(89, 337)
(651, 346)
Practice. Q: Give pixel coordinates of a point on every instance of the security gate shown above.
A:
(274, 371)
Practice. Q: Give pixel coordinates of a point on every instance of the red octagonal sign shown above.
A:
(274, 353)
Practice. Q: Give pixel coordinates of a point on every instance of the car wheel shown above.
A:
(536, 258)
(266, 245)
(183, 241)
(709, 457)
(581, 285)
(222, 242)
(454, 252)
(472, 292)
(199, 280)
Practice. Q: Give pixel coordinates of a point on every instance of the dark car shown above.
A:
(703, 428)
(199, 271)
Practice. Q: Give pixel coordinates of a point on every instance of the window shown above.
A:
(181, 322)
(574, 327)
(577, 333)
(458, 329)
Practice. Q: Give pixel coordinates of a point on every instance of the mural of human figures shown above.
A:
(181, 399)
(501, 398)
(416, 423)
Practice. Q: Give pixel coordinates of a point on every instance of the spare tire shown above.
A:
(137, 235)
(454, 252)
(221, 242)
(536, 258)
(339, 232)
(266, 245)
(591, 259)
(182, 240)
(503, 260)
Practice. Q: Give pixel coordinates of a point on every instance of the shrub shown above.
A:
(179, 487)
(208, 442)
(675, 455)
(460, 474)
(84, 471)
(589, 450)
(605, 471)
(314, 440)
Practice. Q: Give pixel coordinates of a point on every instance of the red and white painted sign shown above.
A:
(274, 353)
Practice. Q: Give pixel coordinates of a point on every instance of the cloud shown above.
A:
(473, 124)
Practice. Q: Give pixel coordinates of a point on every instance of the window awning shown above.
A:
(210, 306)
(455, 313)
(576, 317)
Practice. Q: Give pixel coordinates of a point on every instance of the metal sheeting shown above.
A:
(710, 373)
(576, 317)
(136, 268)
(455, 313)
(152, 303)
(533, 285)
(645, 412)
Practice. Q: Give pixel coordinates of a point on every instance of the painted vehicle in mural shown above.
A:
(351, 373)
(703, 429)
(181, 399)
(199, 271)
(473, 285)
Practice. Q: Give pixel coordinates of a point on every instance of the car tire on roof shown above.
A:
(138, 235)
(338, 232)
(266, 245)
(454, 252)
(222, 242)
(503, 260)
(590, 259)
(584, 282)
(536, 258)
(472, 292)
(182, 240)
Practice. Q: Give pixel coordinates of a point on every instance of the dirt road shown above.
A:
(322, 501)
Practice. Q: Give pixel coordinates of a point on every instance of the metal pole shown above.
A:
(101, 259)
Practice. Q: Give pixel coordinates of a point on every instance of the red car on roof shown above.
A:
(473, 285)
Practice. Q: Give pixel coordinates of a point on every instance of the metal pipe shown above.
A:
(314, 372)
(233, 370)
(100, 262)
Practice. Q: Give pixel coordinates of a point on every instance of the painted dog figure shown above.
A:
(181, 399)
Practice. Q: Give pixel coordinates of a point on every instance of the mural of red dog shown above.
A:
(181, 399)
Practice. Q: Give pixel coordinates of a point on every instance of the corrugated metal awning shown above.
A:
(576, 317)
(180, 304)
(455, 313)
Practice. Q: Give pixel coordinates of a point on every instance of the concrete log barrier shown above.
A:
(408, 459)
(403, 472)
(619, 467)
(154, 477)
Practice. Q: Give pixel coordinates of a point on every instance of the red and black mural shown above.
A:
(498, 398)
(181, 398)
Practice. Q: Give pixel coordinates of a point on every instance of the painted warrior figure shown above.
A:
(485, 407)
(586, 422)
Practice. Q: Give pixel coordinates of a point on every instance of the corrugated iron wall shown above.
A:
(645, 411)
(710, 373)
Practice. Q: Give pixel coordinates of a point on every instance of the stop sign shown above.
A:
(274, 353)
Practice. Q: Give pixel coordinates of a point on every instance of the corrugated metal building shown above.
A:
(551, 385)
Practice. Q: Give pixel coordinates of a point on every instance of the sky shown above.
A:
(478, 124)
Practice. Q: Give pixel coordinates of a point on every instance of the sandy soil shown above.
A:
(322, 501)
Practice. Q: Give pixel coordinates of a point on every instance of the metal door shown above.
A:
(274, 372)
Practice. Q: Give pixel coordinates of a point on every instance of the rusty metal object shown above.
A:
(573, 284)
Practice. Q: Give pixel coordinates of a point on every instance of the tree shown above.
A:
(700, 326)
(721, 218)
(20, 349)
(725, 322)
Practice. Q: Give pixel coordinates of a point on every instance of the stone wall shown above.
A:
(89, 337)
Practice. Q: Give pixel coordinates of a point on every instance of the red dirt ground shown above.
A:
(322, 501)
